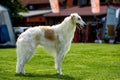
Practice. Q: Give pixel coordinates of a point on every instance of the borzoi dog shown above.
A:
(56, 39)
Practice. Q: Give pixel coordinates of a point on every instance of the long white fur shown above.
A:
(63, 34)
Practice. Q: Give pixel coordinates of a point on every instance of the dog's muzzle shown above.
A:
(80, 26)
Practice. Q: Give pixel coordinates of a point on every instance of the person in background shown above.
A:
(117, 34)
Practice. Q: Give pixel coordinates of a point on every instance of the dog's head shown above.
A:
(76, 19)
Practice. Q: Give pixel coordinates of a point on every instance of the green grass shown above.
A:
(83, 62)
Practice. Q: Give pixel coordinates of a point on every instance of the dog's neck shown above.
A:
(67, 28)
(69, 25)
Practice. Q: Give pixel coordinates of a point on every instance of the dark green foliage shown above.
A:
(14, 7)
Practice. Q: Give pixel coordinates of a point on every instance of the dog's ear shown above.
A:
(72, 18)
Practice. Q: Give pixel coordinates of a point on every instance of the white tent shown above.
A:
(7, 32)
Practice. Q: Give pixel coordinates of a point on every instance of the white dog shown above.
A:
(56, 39)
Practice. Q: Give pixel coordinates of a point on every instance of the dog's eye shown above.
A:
(78, 18)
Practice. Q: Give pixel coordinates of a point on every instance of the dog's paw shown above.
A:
(19, 74)
(60, 73)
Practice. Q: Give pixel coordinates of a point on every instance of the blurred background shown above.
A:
(103, 26)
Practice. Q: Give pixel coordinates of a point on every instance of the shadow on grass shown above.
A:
(57, 76)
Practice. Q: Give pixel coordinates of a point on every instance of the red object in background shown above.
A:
(76, 35)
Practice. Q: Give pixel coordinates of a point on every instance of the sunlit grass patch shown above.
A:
(83, 62)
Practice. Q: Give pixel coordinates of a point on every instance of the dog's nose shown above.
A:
(85, 25)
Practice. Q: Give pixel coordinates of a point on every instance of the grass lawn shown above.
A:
(83, 62)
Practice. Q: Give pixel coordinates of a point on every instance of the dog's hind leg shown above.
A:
(24, 53)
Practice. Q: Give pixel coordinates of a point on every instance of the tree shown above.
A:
(14, 7)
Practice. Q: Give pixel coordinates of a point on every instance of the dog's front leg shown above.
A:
(58, 62)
